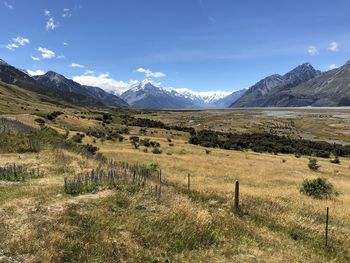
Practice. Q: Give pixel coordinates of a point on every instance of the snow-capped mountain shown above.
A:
(203, 97)
(148, 94)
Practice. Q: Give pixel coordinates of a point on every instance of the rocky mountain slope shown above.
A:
(266, 92)
(58, 88)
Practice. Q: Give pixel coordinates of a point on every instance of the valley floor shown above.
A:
(276, 223)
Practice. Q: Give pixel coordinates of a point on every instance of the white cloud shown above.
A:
(47, 13)
(12, 46)
(35, 58)
(65, 44)
(105, 82)
(333, 66)
(334, 47)
(36, 72)
(21, 41)
(312, 50)
(89, 72)
(150, 74)
(61, 56)
(66, 12)
(46, 53)
(17, 42)
(7, 5)
(51, 24)
(76, 65)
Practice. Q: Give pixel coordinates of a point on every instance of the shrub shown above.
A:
(135, 141)
(53, 115)
(40, 121)
(157, 150)
(106, 117)
(78, 138)
(313, 165)
(318, 188)
(89, 149)
(335, 160)
(149, 143)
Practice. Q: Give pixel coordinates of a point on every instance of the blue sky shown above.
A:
(202, 45)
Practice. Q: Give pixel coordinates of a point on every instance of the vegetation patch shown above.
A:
(318, 188)
(265, 142)
(18, 173)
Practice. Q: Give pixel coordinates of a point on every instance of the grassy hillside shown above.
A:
(128, 223)
(17, 100)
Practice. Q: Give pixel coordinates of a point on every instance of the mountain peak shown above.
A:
(302, 72)
(54, 76)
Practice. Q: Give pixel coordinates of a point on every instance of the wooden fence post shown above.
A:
(327, 220)
(189, 182)
(236, 200)
(160, 184)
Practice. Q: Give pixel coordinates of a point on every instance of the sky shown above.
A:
(202, 45)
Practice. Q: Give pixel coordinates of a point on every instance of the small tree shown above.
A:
(135, 141)
(313, 165)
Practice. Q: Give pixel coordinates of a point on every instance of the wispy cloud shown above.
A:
(35, 58)
(312, 50)
(89, 72)
(334, 47)
(150, 74)
(35, 72)
(7, 5)
(333, 66)
(66, 12)
(17, 42)
(105, 82)
(46, 53)
(51, 24)
(65, 44)
(76, 65)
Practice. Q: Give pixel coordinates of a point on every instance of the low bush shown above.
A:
(149, 143)
(78, 138)
(335, 160)
(313, 165)
(318, 188)
(53, 115)
(157, 150)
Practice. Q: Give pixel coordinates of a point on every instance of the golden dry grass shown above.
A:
(276, 224)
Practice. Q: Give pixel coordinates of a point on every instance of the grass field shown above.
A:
(276, 223)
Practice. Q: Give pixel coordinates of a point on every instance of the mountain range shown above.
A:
(147, 94)
(302, 86)
(58, 88)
